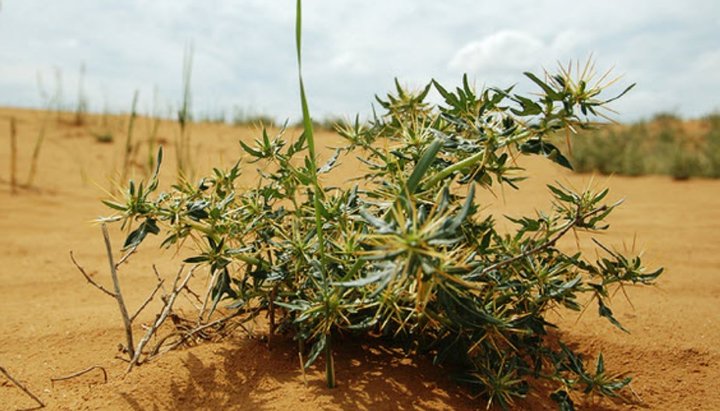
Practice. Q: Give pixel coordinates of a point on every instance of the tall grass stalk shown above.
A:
(58, 94)
(48, 103)
(36, 150)
(13, 156)
(152, 139)
(184, 116)
(127, 155)
(81, 106)
(317, 192)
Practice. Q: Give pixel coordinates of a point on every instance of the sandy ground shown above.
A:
(53, 323)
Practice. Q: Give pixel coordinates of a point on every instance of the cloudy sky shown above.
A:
(244, 50)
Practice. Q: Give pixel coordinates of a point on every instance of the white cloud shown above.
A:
(244, 51)
(500, 51)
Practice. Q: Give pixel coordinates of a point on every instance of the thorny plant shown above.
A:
(405, 253)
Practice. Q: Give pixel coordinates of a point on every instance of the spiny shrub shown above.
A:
(406, 253)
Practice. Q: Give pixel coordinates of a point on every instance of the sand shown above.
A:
(53, 323)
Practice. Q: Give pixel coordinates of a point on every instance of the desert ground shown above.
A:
(53, 323)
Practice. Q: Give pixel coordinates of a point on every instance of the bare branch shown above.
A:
(147, 301)
(160, 279)
(162, 317)
(125, 257)
(185, 335)
(89, 279)
(22, 387)
(79, 373)
(13, 156)
(193, 293)
(187, 288)
(118, 294)
(207, 297)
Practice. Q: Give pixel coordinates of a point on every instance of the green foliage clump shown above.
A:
(662, 146)
(405, 253)
(242, 117)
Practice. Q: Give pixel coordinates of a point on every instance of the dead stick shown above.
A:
(13, 156)
(124, 258)
(118, 294)
(157, 275)
(207, 296)
(161, 319)
(147, 300)
(79, 373)
(302, 367)
(187, 334)
(90, 280)
(22, 387)
(271, 312)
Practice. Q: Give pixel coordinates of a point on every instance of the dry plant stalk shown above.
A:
(180, 283)
(118, 293)
(22, 387)
(36, 151)
(128, 153)
(13, 156)
(79, 373)
(169, 301)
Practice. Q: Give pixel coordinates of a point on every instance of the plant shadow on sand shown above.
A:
(245, 374)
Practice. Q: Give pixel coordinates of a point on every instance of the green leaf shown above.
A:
(197, 259)
(317, 348)
(458, 219)
(606, 312)
(547, 89)
(538, 146)
(563, 400)
(149, 226)
(424, 164)
(621, 94)
(250, 150)
(114, 205)
(376, 276)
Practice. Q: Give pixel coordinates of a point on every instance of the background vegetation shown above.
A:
(663, 145)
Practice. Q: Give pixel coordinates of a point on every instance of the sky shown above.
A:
(244, 51)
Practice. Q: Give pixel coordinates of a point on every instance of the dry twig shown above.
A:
(169, 301)
(201, 314)
(13, 156)
(22, 387)
(89, 279)
(185, 335)
(118, 294)
(125, 257)
(147, 300)
(79, 373)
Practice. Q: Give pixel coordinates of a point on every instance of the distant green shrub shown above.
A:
(665, 145)
(243, 117)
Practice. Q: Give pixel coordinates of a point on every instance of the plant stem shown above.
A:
(308, 128)
(13, 156)
(22, 387)
(447, 171)
(118, 294)
(128, 140)
(329, 362)
(183, 144)
(551, 241)
(36, 151)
